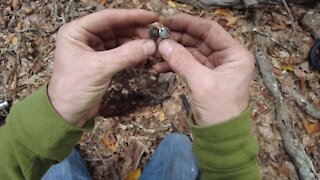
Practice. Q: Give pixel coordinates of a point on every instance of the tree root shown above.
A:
(303, 103)
(238, 4)
(291, 142)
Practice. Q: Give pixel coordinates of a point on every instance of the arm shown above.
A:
(227, 150)
(218, 72)
(42, 129)
(35, 137)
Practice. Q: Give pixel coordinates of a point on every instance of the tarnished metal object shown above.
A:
(163, 32)
(154, 32)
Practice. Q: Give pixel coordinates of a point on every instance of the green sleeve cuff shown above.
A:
(35, 123)
(227, 150)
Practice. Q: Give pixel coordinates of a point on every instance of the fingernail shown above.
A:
(165, 48)
(149, 48)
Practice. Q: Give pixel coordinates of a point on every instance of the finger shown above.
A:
(116, 42)
(180, 60)
(162, 67)
(209, 31)
(106, 20)
(127, 55)
(134, 31)
(190, 41)
(201, 58)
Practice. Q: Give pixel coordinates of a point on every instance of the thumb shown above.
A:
(179, 59)
(128, 54)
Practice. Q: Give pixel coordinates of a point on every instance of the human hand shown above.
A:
(89, 51)
(215, 67)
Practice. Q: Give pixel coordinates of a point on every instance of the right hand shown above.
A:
(215, 67)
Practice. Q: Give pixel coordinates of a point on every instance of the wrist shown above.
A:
(214, 116)
(63, 109)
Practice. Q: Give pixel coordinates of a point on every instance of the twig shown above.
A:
(290, 140)
(303, 103)
(271, 38)
(293, 28)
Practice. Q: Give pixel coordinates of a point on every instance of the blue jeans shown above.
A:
(172, 160)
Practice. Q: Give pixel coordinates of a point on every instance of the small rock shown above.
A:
(311, 20)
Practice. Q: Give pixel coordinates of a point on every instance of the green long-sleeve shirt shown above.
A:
(36, 137)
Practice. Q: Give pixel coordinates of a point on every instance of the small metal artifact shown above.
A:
(154, 32)
(163, 32)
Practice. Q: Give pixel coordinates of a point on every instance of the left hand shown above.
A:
(89, 51)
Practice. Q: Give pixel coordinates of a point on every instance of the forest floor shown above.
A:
(141, 107)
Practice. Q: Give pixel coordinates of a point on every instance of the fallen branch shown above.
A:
(272, 39)
(303, 103)
(240, 4)
(293, 28)
(290, 140)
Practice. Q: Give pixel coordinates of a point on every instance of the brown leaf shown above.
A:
(223, 22)
(110, 141)
(36, 67)
(15, 4)
(313, 128)
(289, 61)
(19, 26)
(101, 2)
(222, 12)
(232, 21)
(283, 169)
(263, 109)
(84, 2)
(279, 26)
(303, 85)
(310, 127)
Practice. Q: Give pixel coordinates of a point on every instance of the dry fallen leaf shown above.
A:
(134, 175)
(222, 12)
(232, 21)
(313, 128)
(263, 109)
(310, 128)
(14, 41)
(101, 2)
(275, 63)
(110, 142)
(287, 68)
(283, 169)
(84, 2)
(160, 115)
(15, 4)
(36, 67)
(172, 4)
(279, 26)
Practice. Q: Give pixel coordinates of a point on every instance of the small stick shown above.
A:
(185, 103)
(293, 28)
